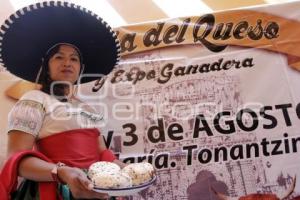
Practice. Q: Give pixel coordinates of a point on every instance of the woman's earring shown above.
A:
(37, 79)
(80, 74)
(76, 86)
(82, 69)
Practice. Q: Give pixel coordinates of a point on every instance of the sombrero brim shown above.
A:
(30, 32)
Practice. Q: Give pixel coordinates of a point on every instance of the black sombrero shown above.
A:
(27, 34)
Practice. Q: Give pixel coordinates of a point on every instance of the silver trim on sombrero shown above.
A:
(5, 25)
(22, 11)
(39, 5)
(10, 20)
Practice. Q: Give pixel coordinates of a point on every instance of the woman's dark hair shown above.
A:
(58, 90)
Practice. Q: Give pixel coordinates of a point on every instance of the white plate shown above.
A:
(125, 191)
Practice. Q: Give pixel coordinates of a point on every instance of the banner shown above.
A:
(211, 101)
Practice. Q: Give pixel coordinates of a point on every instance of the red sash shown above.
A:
(76, 148)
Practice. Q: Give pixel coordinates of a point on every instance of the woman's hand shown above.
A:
(79, 184)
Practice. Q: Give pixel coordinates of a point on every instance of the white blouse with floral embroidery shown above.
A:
(41, 115)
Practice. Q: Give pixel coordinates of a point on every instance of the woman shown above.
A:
(52, 137)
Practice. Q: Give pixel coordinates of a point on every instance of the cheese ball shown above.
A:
(140, 173)
(111, 180)
(102, 167)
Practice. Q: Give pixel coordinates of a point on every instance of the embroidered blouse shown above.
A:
(41, 115)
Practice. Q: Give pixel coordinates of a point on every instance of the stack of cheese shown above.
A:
(110, 175)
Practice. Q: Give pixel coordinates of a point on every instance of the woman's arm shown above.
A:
(39, 170)
(30, 167)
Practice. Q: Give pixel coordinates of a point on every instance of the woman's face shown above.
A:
(65, 64)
